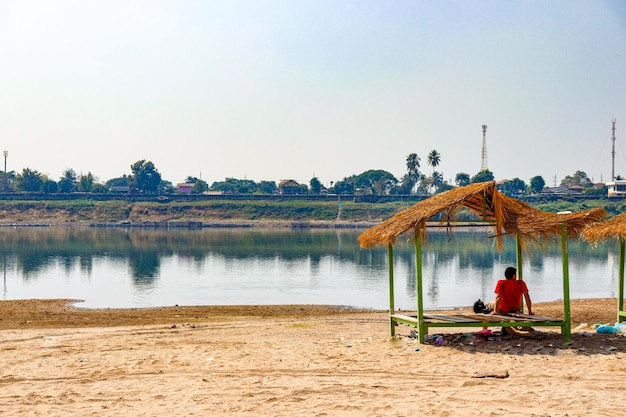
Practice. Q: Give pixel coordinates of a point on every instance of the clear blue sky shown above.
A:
(276, 89)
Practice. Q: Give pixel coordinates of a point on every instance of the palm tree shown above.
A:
(412, 163)
(412, 166)
(425, 183)
(433, 159)
(437, 180)
(406, 185)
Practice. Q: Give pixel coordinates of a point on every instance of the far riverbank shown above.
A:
(227, 213)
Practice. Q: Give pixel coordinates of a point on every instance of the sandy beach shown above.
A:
(58, 360)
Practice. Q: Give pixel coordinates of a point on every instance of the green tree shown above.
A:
(536, 184)
(235, 186)
(316, 185)
(445, 186)
(67, 182)
(99, 188)
(8, 181)
(514, 187)
(166, 187)
(267, 187)
(85, 183)
(579, 178)
(29, 180)
(50, 186)
(483, 176)
(599, 191)
(199, 186)
(345, 186)
(376, 181)
(118, 182)
(229, 185)
(462, 179)
(145, 177)
(405, 186)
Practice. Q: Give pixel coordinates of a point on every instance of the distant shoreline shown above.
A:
(293, 214)
(242, 224)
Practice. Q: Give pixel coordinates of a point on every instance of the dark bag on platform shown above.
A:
(480, 307)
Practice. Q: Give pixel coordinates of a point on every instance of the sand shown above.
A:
(57, 360)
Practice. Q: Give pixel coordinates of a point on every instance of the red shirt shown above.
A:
(510, 291)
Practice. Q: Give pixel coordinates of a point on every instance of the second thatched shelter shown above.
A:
(612, 229)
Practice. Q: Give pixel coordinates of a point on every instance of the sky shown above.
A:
(281, 89)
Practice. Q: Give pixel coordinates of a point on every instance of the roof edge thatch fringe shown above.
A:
(610, 229)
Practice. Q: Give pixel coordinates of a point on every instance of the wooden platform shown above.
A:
(474, 320)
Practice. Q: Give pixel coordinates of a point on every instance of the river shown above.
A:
(136, 267)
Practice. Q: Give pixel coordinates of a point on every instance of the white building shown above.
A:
(616, 188)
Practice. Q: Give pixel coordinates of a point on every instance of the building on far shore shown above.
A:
(573, 190)
(290, 187)
(120, 189)
(184, 188)
(616, 188)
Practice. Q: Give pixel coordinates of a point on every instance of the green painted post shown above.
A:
(518, 257)
(566, 300)
(392, 308)
(418, 277)
(620, 299)
(519, 262)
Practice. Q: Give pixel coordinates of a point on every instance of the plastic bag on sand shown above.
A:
(606, 329)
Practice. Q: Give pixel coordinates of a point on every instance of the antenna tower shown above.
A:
(613, 151)
(484, 158)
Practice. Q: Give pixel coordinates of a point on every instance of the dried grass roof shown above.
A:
(613, 228)
(508, 215)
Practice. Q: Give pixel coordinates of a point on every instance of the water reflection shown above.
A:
(144, 266)
(141, 267)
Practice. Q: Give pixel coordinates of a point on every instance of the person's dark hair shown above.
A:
(510, 272)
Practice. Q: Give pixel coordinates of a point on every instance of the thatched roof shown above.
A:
(508, 215)
(613, 228)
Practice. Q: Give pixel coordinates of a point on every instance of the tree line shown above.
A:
(146, 179)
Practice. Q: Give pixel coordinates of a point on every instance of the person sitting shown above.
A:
(509, 294)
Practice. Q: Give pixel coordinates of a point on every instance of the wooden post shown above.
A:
(620, 297)
(567, 329)
(392, 308)
(420, 298)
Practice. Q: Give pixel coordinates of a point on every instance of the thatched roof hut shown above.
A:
(508, 215)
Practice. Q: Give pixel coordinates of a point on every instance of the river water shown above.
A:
(135, 267)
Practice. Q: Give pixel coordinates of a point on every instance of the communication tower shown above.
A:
(613, 152)
(484, 158)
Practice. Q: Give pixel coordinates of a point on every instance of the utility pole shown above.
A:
(484, 156)
(6, 153)
(613, 151)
